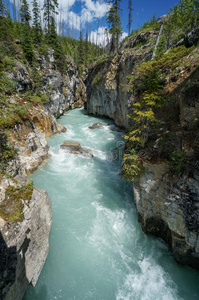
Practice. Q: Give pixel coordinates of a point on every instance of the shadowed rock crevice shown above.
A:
(12, 268)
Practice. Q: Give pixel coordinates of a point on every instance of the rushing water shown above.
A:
(97, 248)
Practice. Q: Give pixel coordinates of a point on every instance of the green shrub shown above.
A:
(7, 63)
(131, 166)
(176, 161)
(11, 209)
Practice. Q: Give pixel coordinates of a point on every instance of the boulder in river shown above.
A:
(76, 148)
(96, 125)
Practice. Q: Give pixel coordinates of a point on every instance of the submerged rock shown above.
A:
(96, 125)
(76, 148)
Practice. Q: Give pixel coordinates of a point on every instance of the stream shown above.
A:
(97, 248)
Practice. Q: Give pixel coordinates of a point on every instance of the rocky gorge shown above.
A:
(166, 199)
(25, 211)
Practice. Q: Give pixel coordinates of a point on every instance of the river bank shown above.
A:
(97, 248)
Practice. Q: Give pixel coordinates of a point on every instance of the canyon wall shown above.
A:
(166, 195)
(25, 211)
(107, 92)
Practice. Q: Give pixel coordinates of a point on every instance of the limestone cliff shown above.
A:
(167, 188)
(25, 222)
(107, 93)
(29, 137)
(59, 91)
(167, 193)
(26, 121)
(25, 212)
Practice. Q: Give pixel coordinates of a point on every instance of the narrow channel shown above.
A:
(97, 248)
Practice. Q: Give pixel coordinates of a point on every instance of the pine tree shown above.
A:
(25, 31)
(25, 13)
(114, 23)
(2, 8)
(80, 50)
(15, 10)
(52, 35)
(130, 11)
(86, 48)
(52, 39)
(49, 17)
(184, 16)
(168, 29)
(37, 30)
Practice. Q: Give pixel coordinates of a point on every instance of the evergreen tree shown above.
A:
(130, 11)
(86, 48)
(49, 17)
(25, 31)
(2, 8)
(52, 35)
(182, 19)
(80, 50)
(25, 13)
(114, 23)
(2, 21)
(168, 29)
(15, 10)
(37, 30)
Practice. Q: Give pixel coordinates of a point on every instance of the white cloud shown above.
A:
(89, 11)
(100, 36)
(87, 16)
(66, 5)
(124, 34)
(98, 8)
(74, 20)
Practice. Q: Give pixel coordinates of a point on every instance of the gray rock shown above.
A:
(21, 76)
(167, 206)
(76, 148)
(24, 247)
(106, 83)
(96, 125)
(168, 209)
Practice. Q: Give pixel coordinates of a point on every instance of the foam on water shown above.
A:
(97, 248)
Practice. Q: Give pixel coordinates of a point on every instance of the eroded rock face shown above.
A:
(24, 235)
(64, 91)
(67, 91)
(24, 245)
(76, 148)
(30, 140)
(167, 204)
(107, 92)
(21, 76)
(168, 208)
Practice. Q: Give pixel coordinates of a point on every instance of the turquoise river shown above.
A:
(97, 248)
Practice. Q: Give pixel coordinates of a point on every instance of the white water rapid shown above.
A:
(97, 248)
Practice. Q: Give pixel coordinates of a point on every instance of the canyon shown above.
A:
(167, 203)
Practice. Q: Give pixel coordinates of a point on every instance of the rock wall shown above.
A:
(168, 208)
(64, 91)
(67, 90)
(25, 223)
(24, 245)
(29, 138)
(107, 92)
(167, 201)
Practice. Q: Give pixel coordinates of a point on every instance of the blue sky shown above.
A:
(145, 9)
(78, 12)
